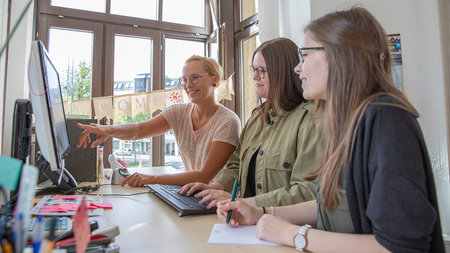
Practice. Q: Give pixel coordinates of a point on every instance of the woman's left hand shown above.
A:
(138, 180)
(277, 230)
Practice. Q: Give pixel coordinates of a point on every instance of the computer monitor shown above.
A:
(50, 120)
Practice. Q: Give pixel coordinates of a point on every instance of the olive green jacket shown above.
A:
(289, 148)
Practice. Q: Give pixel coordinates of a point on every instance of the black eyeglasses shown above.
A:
(257, 71)
(302, 55)
(194, 79)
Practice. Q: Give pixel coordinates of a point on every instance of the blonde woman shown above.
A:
(206, 132)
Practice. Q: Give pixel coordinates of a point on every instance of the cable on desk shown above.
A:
(118, 194)
(80, 189)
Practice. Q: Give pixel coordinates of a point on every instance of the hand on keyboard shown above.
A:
(212, 196)
(194, 188)
(184, 204)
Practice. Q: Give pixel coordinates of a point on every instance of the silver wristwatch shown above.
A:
(300, 240)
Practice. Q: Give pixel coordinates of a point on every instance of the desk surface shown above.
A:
(148, 224)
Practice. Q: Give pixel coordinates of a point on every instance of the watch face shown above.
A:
(300, 242)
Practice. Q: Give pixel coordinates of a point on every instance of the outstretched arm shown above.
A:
(155, 126)
(218, 154)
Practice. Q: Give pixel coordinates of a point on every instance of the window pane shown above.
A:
(87, 5)
(249, 99)
(213, 47)
(176, 53)
(71, 52)
(132, 74)
(135, 8)
(248, 8)
(188, 12)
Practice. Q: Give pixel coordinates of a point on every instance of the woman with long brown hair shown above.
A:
(375, 188)
(280, 143)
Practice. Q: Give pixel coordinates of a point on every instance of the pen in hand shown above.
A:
(233, 197)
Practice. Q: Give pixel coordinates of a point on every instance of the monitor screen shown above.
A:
(56, 108)
(50, 120)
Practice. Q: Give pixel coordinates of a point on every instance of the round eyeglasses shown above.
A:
(194, 79)
(257, 71)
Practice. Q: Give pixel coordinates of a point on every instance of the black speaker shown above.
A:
(80, 162)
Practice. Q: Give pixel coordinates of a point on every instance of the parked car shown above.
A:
(123, 151)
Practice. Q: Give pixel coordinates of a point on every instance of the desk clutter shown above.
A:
(76, 223)
(66, 205)
(62, 223)
(87, 229)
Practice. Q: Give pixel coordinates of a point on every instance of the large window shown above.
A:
(74, 65)
(132, 74)
(248, 8)
(190, 12)
(248, 88)
(135, 8)
(115, 47)
(246, 40)
(88, 5)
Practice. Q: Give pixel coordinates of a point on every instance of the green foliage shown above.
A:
(77, 85)
(82, 81)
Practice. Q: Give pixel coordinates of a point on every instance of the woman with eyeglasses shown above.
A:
(279, 144)
(375, 188)
(206, 132)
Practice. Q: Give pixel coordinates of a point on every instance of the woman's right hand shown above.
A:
(189, 189)
(99, 130)
(242, 212)
(212, 196)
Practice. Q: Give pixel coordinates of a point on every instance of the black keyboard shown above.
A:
(183, 204)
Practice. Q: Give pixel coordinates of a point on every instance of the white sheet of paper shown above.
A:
(242, 235)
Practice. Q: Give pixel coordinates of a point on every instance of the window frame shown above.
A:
(48, 22)
(243, 30)
(241, 36)
(239, 25)
(104, 27)
(107, 17)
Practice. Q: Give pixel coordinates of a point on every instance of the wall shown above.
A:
(283, 18)
(17, 70)
(3, 33)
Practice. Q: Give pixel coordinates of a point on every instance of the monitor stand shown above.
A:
(48, 190)
(67, 181)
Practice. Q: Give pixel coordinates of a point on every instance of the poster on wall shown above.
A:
(395, 48)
